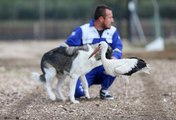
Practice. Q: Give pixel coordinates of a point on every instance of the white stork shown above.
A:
(125, 67)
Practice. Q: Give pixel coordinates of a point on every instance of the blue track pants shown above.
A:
(95, 76)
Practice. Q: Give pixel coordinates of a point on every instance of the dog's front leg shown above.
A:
(73, 81)
(85, 86)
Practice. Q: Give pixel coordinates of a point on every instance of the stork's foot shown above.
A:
(52, 96)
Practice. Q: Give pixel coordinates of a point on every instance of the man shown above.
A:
(99, 29)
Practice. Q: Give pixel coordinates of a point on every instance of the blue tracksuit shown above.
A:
(87, 34)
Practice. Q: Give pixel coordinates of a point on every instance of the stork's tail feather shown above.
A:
(37, 77)
(147, 69)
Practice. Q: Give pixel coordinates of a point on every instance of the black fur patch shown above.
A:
(59, 59)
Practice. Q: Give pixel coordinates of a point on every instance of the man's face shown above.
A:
(108, 19)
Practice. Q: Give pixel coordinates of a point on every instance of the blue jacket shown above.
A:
(87, 34)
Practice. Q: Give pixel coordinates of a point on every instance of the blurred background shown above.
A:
(138, 21)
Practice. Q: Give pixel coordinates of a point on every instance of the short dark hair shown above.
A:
(100, 11)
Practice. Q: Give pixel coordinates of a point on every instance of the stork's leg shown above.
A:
(85, 86)
(50, 73)
(73, 81)
(126, 79)
(60, 82)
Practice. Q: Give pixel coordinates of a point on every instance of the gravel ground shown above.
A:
(150, 97)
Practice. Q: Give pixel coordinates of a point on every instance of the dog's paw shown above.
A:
(60, 97)
(52, 97)
(75, 102)
(87, 96)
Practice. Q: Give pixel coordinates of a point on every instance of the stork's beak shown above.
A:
(94, 52)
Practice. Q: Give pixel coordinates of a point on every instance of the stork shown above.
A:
(117, 67)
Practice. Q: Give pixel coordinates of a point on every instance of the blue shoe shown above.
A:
(104, 95)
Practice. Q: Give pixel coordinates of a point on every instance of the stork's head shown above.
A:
(101, 45)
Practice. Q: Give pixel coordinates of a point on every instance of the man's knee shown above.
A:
(79, 92)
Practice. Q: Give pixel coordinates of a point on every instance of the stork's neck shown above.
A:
(103, 52)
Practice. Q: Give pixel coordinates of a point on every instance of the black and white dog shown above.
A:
(67, 63)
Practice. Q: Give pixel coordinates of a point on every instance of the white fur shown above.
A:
(81, 65)
(36, 77)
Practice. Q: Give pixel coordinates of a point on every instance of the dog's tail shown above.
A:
(38, 78)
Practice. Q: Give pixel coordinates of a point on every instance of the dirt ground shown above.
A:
(150, 97)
